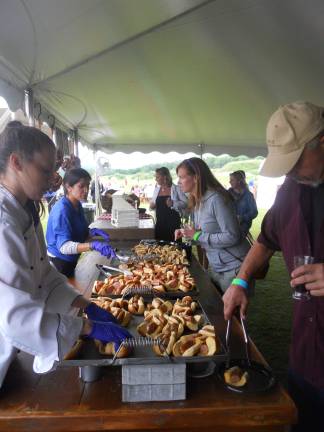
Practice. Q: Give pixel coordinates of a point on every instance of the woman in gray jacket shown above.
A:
(216, 226)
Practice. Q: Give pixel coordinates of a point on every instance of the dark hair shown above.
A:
(74, 175)
(205, 180)
(24, 140)
(163, 171)
(240, 177)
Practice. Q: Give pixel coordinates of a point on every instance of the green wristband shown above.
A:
(240, 282)
(196, 235)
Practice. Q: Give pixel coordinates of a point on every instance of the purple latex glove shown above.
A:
(96, 313)
(104, 248)
(109, 332)
(93, 232)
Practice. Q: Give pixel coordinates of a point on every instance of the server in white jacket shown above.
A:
(169, 203)
(38, 306)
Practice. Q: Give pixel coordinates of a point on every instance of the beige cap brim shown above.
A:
(280, 165)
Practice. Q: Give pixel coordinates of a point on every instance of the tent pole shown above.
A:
(29, 106)
(97, 191)
(76, 141)
(201, 149)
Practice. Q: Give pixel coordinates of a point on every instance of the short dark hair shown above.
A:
(24, 140)
(74, 175)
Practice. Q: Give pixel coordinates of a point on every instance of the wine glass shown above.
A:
(300, 292)
(186, 223)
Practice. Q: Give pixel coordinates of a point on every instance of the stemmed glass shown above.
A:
(186, 223)
(300, 292)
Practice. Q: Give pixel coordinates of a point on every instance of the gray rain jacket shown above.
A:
(221, 235)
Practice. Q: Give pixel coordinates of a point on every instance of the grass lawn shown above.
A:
(270, 312)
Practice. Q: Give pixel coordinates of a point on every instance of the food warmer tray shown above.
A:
(88, 355)
(148, 296)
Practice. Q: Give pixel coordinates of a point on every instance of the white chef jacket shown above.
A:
(36, 314)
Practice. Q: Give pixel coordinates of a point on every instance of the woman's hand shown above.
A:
(312, 275)
(96, 232)
(188, 231)
(104, 248)
(178, 234)
(152, 205)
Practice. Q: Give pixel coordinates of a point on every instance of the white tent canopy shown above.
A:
(167, 75)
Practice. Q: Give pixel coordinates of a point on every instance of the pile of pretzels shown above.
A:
(164, 254)
(164, 320)
(168, 322)
(161, 277)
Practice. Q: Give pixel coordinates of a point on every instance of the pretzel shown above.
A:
(193, 322)
(109, 349)
(164, 254)
(136, 305)
(162, 277)
(122, 316)
(187, 346)
(186, 301)
(167, 342)
(164, 306)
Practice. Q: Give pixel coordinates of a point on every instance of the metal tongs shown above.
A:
(246, 341)
(104, 270)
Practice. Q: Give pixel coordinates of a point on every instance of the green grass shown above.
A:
(270, 312)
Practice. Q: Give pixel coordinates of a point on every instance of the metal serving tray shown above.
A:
(167, 294)
(88, 354)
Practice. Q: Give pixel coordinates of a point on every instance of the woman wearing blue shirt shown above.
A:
(246, 209)
(67, 229)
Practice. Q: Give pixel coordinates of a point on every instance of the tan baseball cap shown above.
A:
(289, 129)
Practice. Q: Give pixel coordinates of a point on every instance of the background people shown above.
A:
(295, 225)
(169, 202)
(38, 306)
(67, 232)
(216, 227)
(246, 209)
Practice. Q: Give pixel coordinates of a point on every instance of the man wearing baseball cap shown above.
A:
(295, 226)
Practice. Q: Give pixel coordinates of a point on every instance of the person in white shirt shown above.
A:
(38, 306)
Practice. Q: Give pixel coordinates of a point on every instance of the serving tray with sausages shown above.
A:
(169, 279)
(164, 331)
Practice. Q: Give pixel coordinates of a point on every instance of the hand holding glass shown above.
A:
(300, 292)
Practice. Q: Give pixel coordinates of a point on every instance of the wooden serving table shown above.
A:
(145, 230)
(60, 401)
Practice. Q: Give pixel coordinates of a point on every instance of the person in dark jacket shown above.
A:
(246, 209)
(295, 225)
(169, 203)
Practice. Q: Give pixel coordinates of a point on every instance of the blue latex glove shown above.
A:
(104, 248)
(93, 232)
(96, 313)
(109, 332)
